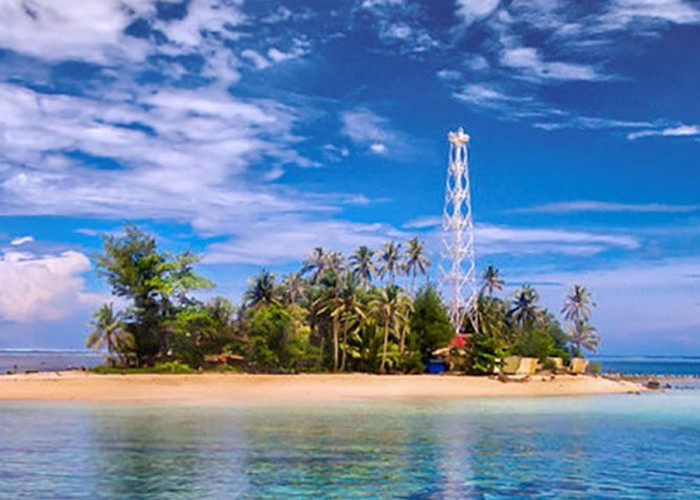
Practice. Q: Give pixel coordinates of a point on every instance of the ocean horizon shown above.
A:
(54, 359)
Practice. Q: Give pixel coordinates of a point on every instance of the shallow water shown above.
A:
(620, 446)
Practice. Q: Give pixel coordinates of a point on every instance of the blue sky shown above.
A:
(253, 131)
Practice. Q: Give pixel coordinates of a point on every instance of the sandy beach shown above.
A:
(260, 389)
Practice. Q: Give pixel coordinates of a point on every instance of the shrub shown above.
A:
(172, 367)
(533, 343)
(594, 368)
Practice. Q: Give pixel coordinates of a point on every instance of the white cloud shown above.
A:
(486, 96)
(370, 4)
(22, 240)
(289, 239)
(189, 168)
(299, 49)
(47, 287)
(679, 131)
(258, 60)
(365, 127)
(623, 13)
(89, 30)
(378, 148)
(471, 11)
(529, 63)
(491, 240)
(608, 207)
(509, 240)
(423, 222)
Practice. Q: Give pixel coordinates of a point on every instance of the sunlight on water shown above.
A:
(588, 447)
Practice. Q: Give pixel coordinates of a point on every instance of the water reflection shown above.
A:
(398, 449)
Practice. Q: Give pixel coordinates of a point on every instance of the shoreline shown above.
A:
(215, 388)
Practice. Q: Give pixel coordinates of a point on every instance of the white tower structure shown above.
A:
(458, 264)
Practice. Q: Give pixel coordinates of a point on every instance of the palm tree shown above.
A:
(415, 261)
(293, 288)
(335, 261)
(108, 331)
(262, 290)
(361, 263)
(326, 303)
(492, 280)
(525, 309)
(583, 334)
(577, 306)
(391, 307)
(315, 263)
(389, 261)
(492, 318)
(348, 306)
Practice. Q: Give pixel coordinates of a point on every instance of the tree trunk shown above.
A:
(382, 368)
(335, 344)
(345, 347)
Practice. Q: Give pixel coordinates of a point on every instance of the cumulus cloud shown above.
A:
(42, 287)
(183, 155)
(89, 31)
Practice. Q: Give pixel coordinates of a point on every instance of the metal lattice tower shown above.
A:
(458, 259)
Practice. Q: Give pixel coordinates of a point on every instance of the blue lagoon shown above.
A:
(622, 446)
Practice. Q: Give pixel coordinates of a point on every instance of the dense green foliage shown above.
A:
(332, 315)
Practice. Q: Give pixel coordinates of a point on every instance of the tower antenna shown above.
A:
(458, 266)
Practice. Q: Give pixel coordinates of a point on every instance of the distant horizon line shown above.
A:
(50, 350)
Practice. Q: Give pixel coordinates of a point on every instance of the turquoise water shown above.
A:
(621, 446)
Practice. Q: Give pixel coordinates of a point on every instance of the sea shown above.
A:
(21, 360)
(588, 447)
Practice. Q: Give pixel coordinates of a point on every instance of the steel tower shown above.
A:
(458, 264)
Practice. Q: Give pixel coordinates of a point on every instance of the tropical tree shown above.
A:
(335, 261)
(389, 261)
(415, 262)
(491, 280)
(493, 319)
(349, 308)
(330, 283)
(362, 265)
(578, 303)
(108, 331)
(525, 310)
(583, 335)
(392, 308)
(293, 288)
(154, 284)
(314, 263)
(262, 290)
(273, 346)
(430, 325)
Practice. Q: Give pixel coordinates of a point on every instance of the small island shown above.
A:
(335, 329)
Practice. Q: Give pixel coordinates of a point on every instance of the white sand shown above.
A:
(222, 388)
